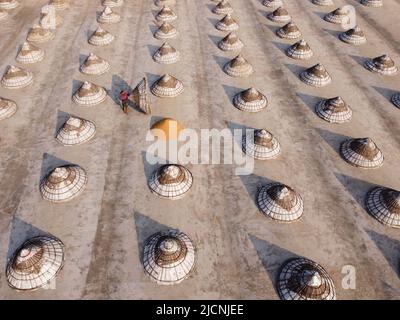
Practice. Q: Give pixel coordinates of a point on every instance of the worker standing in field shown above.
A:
(124, 98)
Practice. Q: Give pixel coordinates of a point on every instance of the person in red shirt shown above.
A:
(124, 97)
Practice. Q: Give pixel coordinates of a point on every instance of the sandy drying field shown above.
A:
(239, 250)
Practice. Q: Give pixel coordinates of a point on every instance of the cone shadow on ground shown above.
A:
(295, 69)
(390, 249)
(272, 257)
(149, 167)
(231, 91)
(333, 139)
(333, 33)
(215, 39)
(153, 28)
(152, 77)
(213, 21)
(357, 188)
(145, 227)
(20, 232)
(221, 61)
(309, 100)
(76, 84)
(152, 49)
(360, 60)
(82, 58)
(49, 163)
(320, 14)
(253, 183)
(281, 46)
(62, 117)
(385, 92)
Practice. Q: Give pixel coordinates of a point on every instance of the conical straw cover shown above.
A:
(76, 131)
(289, 31)
(169, 257)
(94, 65)
(140, 97)
(16, 78)
(171, 181)
(238, 67)
(166, 54)
(280, 202)
(89, 94)
(250, 100)
(304, 279)
(167, 87)
(384, 205)
(29, 54)
(362, 152)
(35, 263)
(7, 108)
(227, 23)
(63, 183)
(101, 37)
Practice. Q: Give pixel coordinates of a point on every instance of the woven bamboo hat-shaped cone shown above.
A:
(101, 37)
(238, 67)
(76, 131)
(108, 16)
(16, 78)
(89, 94)
(250, 100)
(167, 129)
(279, 15)
(396, 99)
(169, 257)
(94, 65)
(166, 14)
(227, 23)
(166, 54)
(140, 97)
(35, 263)
(113, 3)
(323, 2)
(280, 202)
(353, 36)
(231, 43)
(382, 65)
(300, 50)
(316, 76)
(289, 31)
(362, 152)
(273, 3)
(63, 183)
(8, 4)
(334, 110)
(223, 7)
(384, 205)
(261, 145)
(167, 86)
(3, 14)
(162, 3)
(303, 279)
(372, 3)
(166, 31)
(39, 35)
(29, 54)
(171, 181)
(60, 4)
(337, 16)
(7, 108)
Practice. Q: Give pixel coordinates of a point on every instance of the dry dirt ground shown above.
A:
(239, 250)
